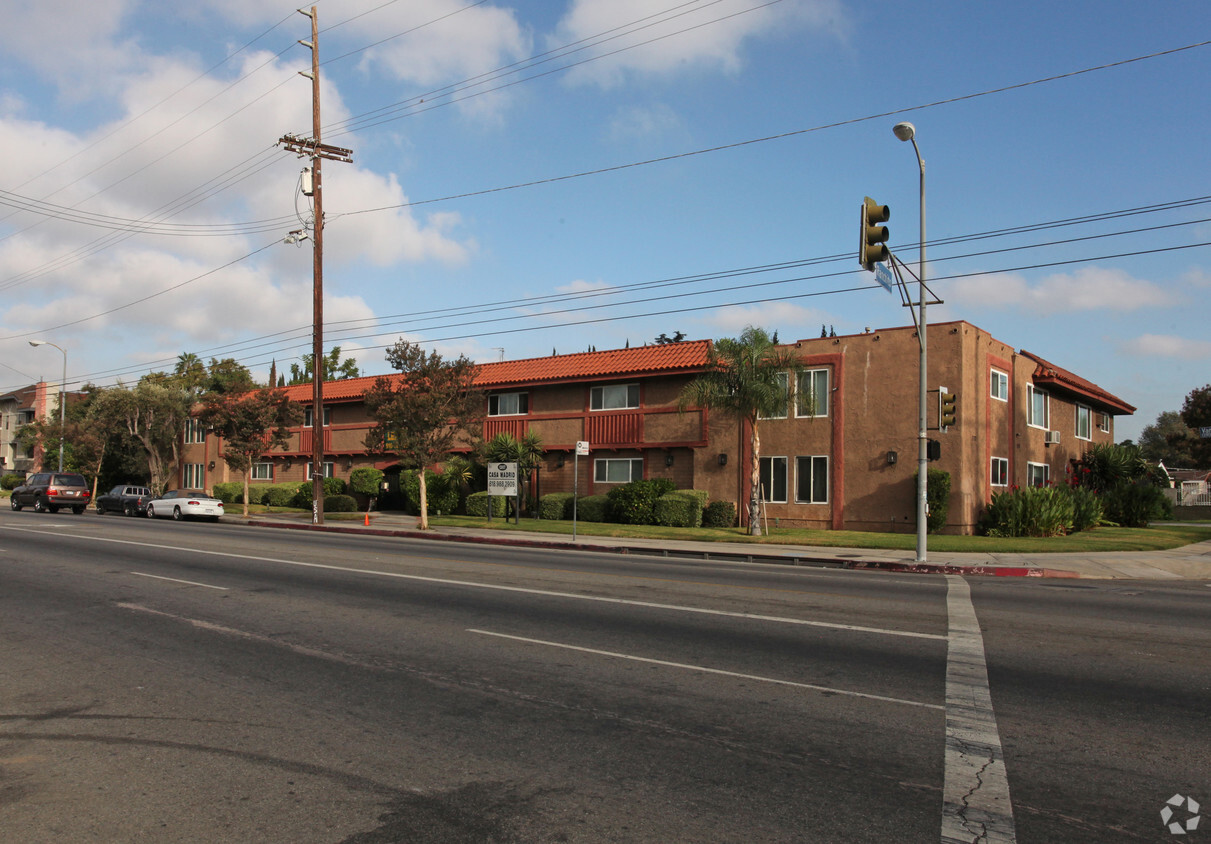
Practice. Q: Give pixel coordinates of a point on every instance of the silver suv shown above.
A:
(48, 491)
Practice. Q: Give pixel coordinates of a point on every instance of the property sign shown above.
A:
(582, 448)
(502, 479)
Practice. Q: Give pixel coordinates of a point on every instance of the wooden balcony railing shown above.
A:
(514, 425)
(614, 429)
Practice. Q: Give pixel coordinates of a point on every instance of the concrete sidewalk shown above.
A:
(1191, 562)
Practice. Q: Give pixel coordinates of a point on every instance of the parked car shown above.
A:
(48, 491)
(124, 498)
(185, 504)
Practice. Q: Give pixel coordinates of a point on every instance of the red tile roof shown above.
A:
(688, 357)
(1049, 373)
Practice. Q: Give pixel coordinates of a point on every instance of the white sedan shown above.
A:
(185, 504)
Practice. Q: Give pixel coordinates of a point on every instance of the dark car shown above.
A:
(124, 498)
(51, 490)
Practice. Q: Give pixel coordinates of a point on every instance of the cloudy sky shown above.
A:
(543, 176)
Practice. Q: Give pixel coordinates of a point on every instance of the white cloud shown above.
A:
(679, 36)
(1087, 289)
(1167, 346)
(791, 321)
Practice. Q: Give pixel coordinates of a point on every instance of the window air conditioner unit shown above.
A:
(1052, 438)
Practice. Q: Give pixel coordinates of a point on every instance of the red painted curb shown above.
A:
(856, 565)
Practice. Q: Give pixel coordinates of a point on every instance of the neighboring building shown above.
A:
(842, 455)
(17, 409)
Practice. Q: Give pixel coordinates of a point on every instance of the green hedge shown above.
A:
(634, 503)
(231, 492)
(719, 514)
(440, 493)
(477, 505)
(679, 509)
(340, 504)
(593, 508)
(279, 495)
(11, 481)
(555, 506)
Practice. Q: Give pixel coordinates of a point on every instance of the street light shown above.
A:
(62, 394)
(908, 132)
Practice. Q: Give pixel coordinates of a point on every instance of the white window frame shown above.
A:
(194, 432)
(815, 463)
(998, 385)
(329, 469)
(1084, 419)
(770, 465)
(1034, 394)
(998, 471)
(1033, 470)
(597, 397)
(1103, 423)
(784, 379)
(819, 393)
(262, 471)
(603, 467)
(193, 476)
(516, 404)
(309, 417)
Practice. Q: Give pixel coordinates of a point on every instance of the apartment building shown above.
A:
(843, 454)
(19, 408)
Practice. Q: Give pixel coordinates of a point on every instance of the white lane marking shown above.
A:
(178, 580)
(705, 670)
(852, 628)
(976, 808)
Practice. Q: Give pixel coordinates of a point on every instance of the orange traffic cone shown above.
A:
(367, 523)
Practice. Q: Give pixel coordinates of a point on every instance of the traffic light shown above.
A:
(933, 450)
(871, 248)
(946, 408)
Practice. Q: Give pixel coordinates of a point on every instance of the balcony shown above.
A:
(614, 429)
(307, 440)
(513, 425)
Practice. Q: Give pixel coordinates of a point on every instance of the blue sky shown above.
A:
(527, 177)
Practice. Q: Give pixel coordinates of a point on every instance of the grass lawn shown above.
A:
(1100, 539)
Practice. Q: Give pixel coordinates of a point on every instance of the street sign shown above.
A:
(1205, 433)
(582, 448)
(884, 277)
(502, 479)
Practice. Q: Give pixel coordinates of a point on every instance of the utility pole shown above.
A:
(317, 151)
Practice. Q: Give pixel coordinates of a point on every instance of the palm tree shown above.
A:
(747, 378)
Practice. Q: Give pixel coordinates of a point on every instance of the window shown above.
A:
(1084, 422)
(1037, 474)
(773, 479)
(327, 469)
(194, 432)
(812, 393)
(1103, 423)
(194, 476)
(614, 397)
(262, 471)
(783, 380)
(617, 470)
(998, 473)
(508, 404)
(1037, 415)
(309, 417)
(811, 479)
(1000, 385)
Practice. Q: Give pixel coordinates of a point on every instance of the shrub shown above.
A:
(678, 509)
(555, 506)
(230, 492)
(10, 481)
(593, 508)
(281, 495)
(477, 505)
(719, 514)
(1086, 508)
(634, 503)
(365, 480)
(937, 494)
(303, 496)
(1133, 504)
(1032, 511)
(441, 493)
(339, 504)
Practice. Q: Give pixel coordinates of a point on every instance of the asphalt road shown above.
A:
(201, 682)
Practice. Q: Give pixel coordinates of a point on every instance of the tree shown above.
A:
(335, 369)
(1169, 440)
(366, 480)
(425, 411)
(1196, 413)
(665, 339)
(745, 379)
(154, 412)
(251, 424)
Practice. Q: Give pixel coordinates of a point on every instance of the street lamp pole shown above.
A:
(908, 132)
(62, 395)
